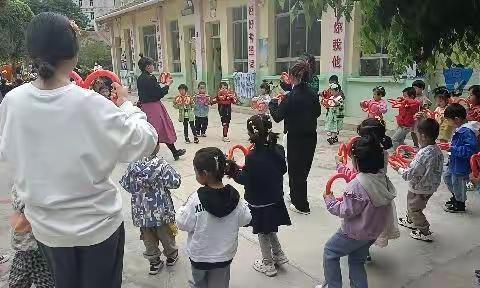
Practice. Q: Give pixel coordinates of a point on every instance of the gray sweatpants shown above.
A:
(269, 245)
(399, 137)
(215, 278)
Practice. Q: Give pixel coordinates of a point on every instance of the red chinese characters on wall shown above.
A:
(252, 35)
(338, 44)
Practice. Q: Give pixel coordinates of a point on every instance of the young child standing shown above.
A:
(184, 104)
(212, 217)
(28, 265)
(201, 109)
(442, 97)
(149, 182)
(424, 175)
(406, 116)
(365, 208)
(463, 146)
(335, 113)
(262, 177)
(264, 98)
(377, 106)
(225, 101)
(473, 112)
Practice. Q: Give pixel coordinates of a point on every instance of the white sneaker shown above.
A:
(470, 186)
(4, 259)
(294, 209)
(280, 259)
(322, 286)
(417, 234)
(267, 269)
(225, 139)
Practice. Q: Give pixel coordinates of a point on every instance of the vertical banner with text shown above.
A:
(158, 36)
(338, 45)
(252, 35)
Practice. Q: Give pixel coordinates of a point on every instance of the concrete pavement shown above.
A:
(447, 262)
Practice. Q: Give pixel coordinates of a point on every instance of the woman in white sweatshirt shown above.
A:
(63, 143)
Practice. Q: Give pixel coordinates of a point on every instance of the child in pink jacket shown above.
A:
(376, 106)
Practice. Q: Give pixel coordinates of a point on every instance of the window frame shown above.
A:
(290, 59)
(176, 63)
(244, 27)
(91, 3)
(150, 37)
(380, 56)
(80, 3)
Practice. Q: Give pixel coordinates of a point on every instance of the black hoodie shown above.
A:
(219, 202)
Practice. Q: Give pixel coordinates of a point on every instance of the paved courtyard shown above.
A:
(447, 262)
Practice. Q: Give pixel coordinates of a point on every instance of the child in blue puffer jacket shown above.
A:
(464, 145)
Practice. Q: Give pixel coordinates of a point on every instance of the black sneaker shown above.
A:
(172, 260)
(330, 141)
(187, 141)
(457, 207)
(179, 153)
(156, 267)
(195, 140)
(335, 139)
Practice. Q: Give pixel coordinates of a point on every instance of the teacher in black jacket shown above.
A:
(150, 92)
(299, 110)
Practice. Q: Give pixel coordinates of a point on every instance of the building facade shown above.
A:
(95, 8)
(210, 40)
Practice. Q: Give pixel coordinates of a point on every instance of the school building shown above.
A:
(210, 40)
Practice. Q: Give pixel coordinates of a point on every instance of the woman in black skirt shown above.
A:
(262, 177)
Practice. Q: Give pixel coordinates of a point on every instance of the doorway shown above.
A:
(191, 59)
(215, 59)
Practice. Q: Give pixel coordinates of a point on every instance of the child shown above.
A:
(365, 208)
(473, 113)
(212, 217)
(28, 265)
(406, 116)
(378, 106)
(262, 177)
(463, 146)
(335, 114)
(149, 180)
(201, 109)
(425, 103)
(184, 104)
(424, 176)
(264, 98)
(225, 101)
(442, 96)
(105, 92)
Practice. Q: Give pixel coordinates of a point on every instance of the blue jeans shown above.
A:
(457, 185)
(338, 246)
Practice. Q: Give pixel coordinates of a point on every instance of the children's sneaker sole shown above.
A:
(426, 238)
(294, 209)
(450, 209)
(160, 267)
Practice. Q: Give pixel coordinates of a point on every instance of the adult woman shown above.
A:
(312, 80)
(63, 142)
(299, 110)
(150, 93)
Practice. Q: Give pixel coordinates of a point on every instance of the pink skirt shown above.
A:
(157, 115)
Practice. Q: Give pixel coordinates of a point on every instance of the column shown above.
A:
(199, 38)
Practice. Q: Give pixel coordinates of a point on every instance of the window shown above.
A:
(92, 15)
(175, 34)
(375, 64)
(215, 30)
(80, 3)
(150, 42)
(91, 2)
(294, 37)
(240, 44)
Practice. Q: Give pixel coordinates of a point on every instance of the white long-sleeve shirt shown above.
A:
(63, 145)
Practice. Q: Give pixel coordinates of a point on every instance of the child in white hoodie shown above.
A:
(212, 217)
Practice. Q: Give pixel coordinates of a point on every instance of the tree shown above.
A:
(431, 33)
(64, 7)
(14, 18)
(91, 52)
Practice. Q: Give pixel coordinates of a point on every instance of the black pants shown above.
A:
(300, 157)
(96, 266)
(186, 122)
(201, 124)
